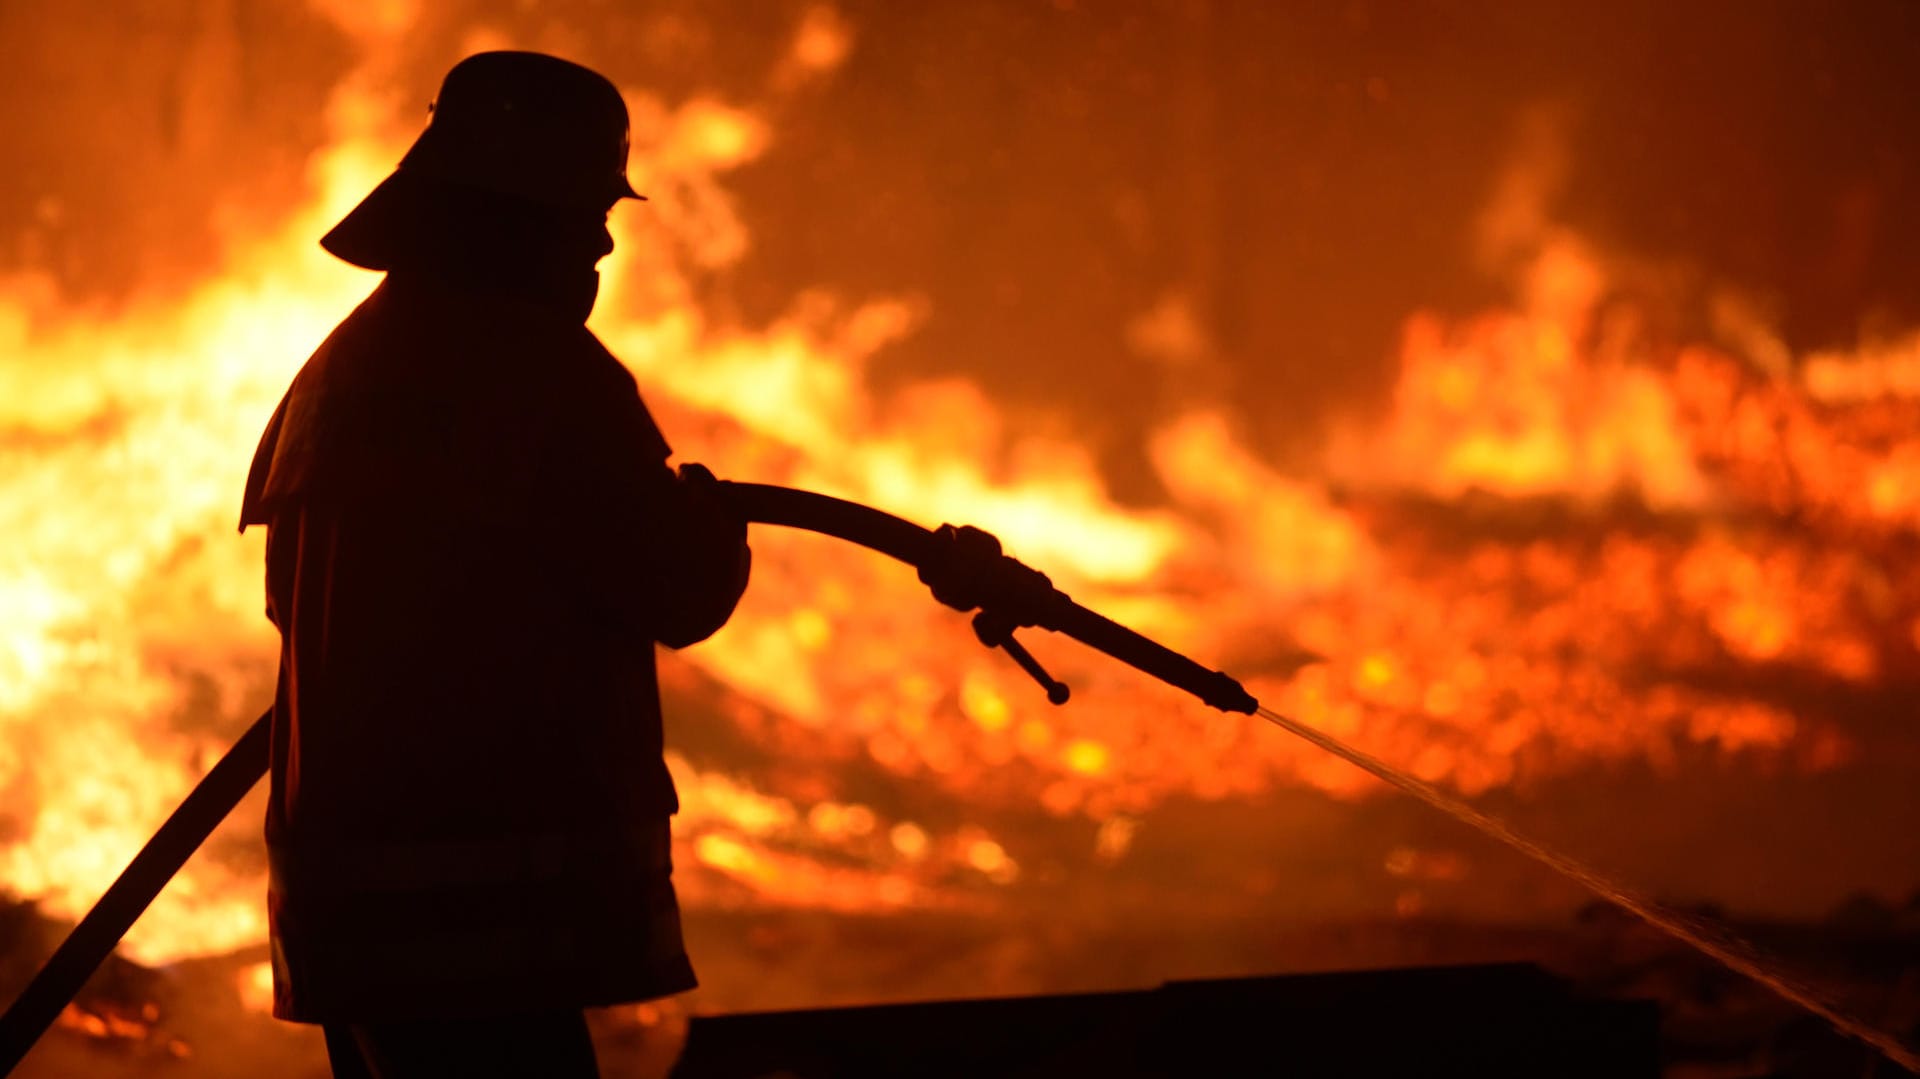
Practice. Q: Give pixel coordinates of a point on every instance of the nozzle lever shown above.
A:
(997, 632)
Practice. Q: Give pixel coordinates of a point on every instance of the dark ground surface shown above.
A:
(187, 1020)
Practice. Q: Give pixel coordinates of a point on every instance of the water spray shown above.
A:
(967, 570)
(1728, 950)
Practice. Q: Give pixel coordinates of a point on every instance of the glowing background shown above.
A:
(1530, 400)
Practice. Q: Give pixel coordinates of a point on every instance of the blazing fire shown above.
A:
(1523, 566)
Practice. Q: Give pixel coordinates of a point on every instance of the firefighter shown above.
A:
(474, 540)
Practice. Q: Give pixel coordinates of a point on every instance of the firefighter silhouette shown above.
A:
(474, 541)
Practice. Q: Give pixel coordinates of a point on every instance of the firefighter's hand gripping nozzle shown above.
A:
(966, 569)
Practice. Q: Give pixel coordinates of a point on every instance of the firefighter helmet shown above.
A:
(520, 124)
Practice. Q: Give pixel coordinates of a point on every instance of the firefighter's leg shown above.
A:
(548, 1045)
(343, 1052)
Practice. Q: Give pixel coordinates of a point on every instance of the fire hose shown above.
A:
(964, 566)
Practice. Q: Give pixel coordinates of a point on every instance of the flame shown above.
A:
(1515, 403)
(1421, 594)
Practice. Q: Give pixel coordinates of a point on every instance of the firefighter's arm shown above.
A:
(653, 551)
(700, 549)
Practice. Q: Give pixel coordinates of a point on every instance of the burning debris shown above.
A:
(119, 1011)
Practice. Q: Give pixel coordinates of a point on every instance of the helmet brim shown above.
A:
(372, 233)
(376, 233)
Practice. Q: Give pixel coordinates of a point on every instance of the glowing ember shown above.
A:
(133, 1027)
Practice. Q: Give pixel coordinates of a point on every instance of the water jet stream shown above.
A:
(1730, 951)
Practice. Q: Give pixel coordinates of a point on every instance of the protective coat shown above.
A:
(474, 541)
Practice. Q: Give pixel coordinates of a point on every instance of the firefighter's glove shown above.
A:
(711, 512)
(965, 569)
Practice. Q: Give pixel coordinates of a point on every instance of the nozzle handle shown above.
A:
(995, 631)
